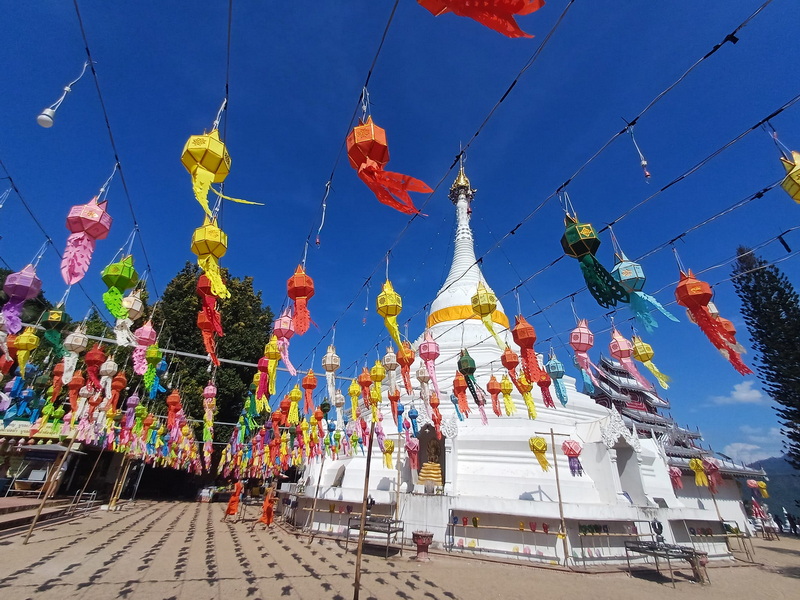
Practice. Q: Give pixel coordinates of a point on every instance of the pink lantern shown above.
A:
(283, 328)
(20, 287)
(145, 337)
(87, 223)
(429, 352)
(622, 349)
(582, 339)
(676, 477)
(573, 449)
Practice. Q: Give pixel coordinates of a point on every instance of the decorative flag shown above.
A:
(494, 14)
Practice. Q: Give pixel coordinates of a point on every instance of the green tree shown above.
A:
(247, 324)
(771, 310)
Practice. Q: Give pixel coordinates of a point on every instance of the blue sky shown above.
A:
(294, 82)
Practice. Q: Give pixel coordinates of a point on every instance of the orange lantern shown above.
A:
(300, 287)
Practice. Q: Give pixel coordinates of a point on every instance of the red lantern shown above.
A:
(94, 358)
(394, 399)
(206, 327)
(300, 288)
(436, 416)
(309, 383)
(74, 386)
(493, 387)
(405, 358)
(368, 153)
(365, 381)
(494, 14)
(525, 337)
(460, 390)
(544, 382)
(119, 383)
(695, 296)
(510, 361)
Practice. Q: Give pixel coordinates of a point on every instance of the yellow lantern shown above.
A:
(294, 412)
(210, 243)
(538, 446)
(643, 352)
(700, 477)
(484, 303)
(354, 391)
(525, 387)
(272, 353)
(791, 183)
(207, 160)
(388, 450)
(378, 374)
(389, 306)
(25, 343)
(506, 387)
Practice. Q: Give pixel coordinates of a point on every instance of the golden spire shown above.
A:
(461, 184)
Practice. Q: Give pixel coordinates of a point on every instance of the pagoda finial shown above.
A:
(461, 184)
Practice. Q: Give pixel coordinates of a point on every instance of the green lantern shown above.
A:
(466, 366)
(580, 241)
(53, 321)
(118, 276)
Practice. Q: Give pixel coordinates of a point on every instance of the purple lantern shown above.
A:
(20, 287)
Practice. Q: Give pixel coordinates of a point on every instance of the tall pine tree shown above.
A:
(771, 310)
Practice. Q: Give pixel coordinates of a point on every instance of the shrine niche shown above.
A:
(431, 457)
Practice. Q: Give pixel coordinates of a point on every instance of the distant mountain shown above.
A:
(783, 485)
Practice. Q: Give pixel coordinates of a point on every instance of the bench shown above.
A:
(382, 525)
(670, 552)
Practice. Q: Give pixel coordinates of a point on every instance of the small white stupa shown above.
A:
(495, 494)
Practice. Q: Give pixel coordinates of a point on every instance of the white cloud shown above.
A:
(742, 393)
(746, 453)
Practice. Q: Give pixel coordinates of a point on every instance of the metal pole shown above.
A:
(49, 485)
(357, 582)
(89, 478)
(316, 496)
(138, 480)
(560, 501)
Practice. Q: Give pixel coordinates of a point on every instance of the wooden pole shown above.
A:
(89, 478)
(560, 501)
(54, 477)
(357, 582)
(120, 484)
(316, 496)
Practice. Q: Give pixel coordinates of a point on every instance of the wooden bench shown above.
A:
(670, 552)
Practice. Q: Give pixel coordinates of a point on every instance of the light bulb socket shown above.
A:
(46, 118)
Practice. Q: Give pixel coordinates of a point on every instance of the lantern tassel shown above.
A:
(210, 346)
(487, 322)
(544, 386)
(139, 361)
(77, 256)
(630, 367)
(283, 347)
(53, 337)
(123, 334)
(149, 376)
(602, 286)
(575, 466)
(12, 311)
(528, 399)
(392, 188)
(112, 298)
(22, 360)
(561, 391)
(390, 323)
(717, 336)
(479, 396)
(70, 363)
(641, 304)
(210, 266)
(662, 379)
(586, 366)
(302, 317)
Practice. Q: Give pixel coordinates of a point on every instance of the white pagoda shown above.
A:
(495, 497)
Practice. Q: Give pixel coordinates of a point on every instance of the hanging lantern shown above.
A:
(388, 450)
(544, 386)
(466, 367)
(762, 488)
(209, 408)
(791, 183)
(75, 343)
(330, 362)
(294, 406)
(133, 304)
(118, 276)
(309, 383)
(390, 364)
(338, 402)
(711, 467)
(405, 358)
(365, 381)
(152, 356)
(377, 374)
(53, 322)
(283, 328)
(87, 223)
(538, 446)
(394, 403)
(695, 296)
(700, 478)
(582, 339)
(460, 393)
(622, 349)
(494, 388)
(494, 14)
(389, 305)
(300, 288)
(118, 384)
(20, 287)
(630, 276)
(145, 337)
(209, 244)
(573, 449)
(506, 387)
(429, 352)
(510, 362)
(368, 154)
(525, 337)
(436, 416)
(525, 387)
(75, 385)
(484, 303)
(94, 359)
(206, 328)
(555, 369)
(643, 352)
(580, 241)
(207, 160)
(25, 343)
(424, 379)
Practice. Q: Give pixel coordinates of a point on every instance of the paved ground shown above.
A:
(177, 551)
